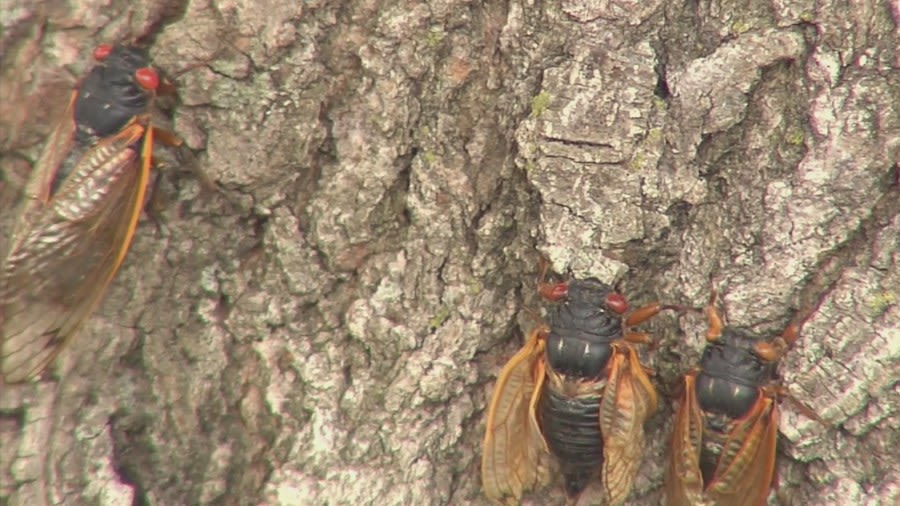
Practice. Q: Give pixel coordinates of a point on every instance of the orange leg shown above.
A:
(792, 332)
(643, 314)
(155, 203)
(166, 137)
(778, 347)
(638, 338)
(186, 158)
(771, 352)
(715, 318)
(155, 206)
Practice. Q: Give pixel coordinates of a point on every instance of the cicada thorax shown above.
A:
(117, 91)
(728, 387)
(579, 347)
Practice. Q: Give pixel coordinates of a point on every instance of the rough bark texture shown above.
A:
(327, 330)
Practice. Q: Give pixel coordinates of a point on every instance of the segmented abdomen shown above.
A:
(571, 427)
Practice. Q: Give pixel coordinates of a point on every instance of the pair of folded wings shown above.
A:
(515, 455)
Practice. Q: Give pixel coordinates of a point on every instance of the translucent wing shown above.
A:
(629, 399)
(71, 244)
(684, 482)
(747, 466)
(745, 470)
(515, 456)
(37, 192)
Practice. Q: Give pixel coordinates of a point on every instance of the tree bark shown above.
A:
(328, 328)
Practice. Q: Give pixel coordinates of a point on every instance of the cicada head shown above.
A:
(120, 87)
(595, 293)
(733, 355)
(583, 327)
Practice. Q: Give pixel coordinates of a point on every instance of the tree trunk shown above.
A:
(327, 329)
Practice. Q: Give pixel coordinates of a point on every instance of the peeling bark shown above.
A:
(327, 330)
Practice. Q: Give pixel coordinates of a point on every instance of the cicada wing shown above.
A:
(684, 481)
(514, 454)
(628, 401)
(61, 265)
(37, 191)
(746, 468)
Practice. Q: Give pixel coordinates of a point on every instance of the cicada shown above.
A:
(79, 212)
(726, 423)
(573, 399)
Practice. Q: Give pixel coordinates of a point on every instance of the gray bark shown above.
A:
(327, 330)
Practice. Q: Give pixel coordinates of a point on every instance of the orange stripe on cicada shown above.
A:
(726, 423)
(574, 398)
(79, 211)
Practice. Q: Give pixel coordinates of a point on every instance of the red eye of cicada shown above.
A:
(102, 51)
(147, 78)
(617, 303)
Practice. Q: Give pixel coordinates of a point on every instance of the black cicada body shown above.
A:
(574, 398)
(726, 424)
